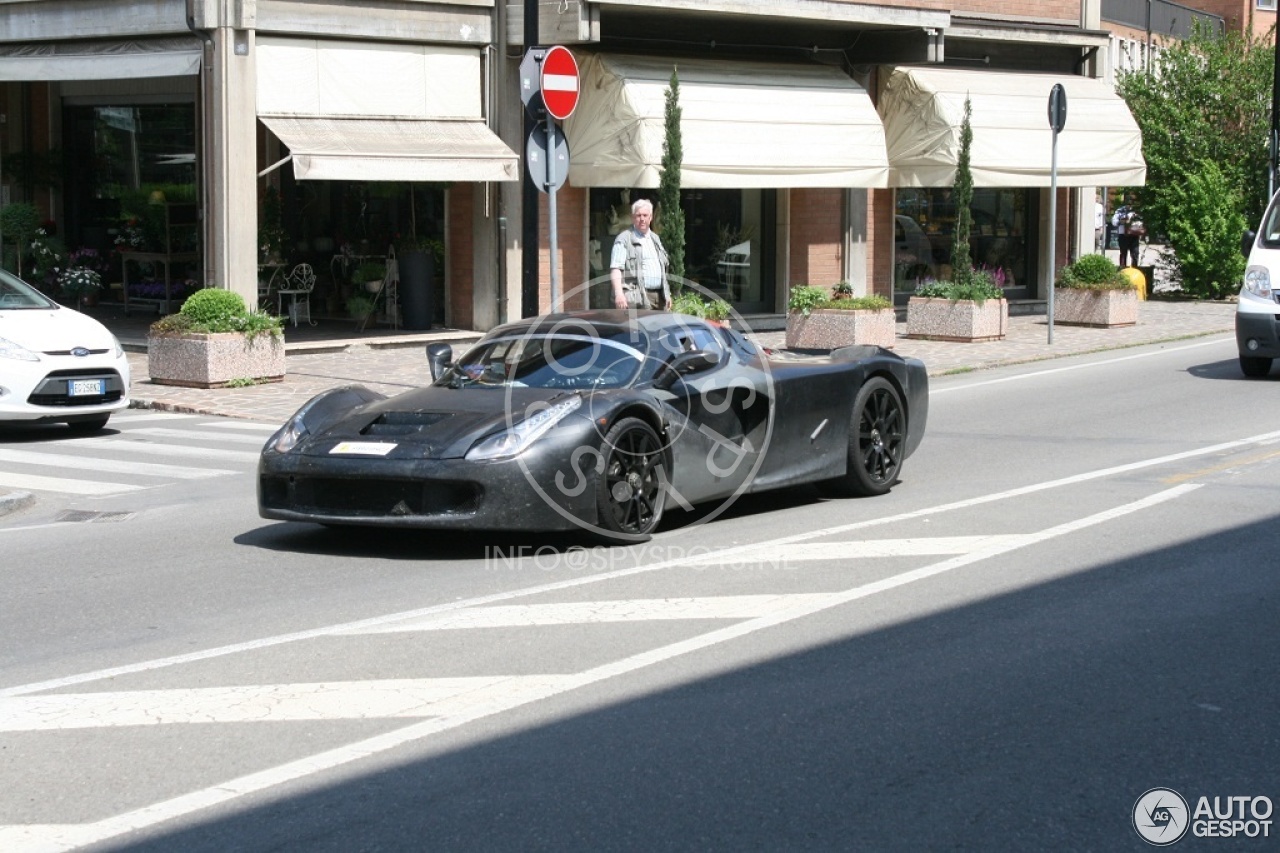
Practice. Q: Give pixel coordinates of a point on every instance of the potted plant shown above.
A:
(971, 307)
(817, 321)
(81, 284)
(417, 258)
(214, 341)
(360, 307)
(1094, 292)
(687, 302)
(371, 274)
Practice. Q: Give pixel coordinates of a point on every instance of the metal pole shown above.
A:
(529, 195)
(1053, 226)
(551, 211)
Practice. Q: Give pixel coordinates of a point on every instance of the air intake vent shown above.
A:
(404, 423)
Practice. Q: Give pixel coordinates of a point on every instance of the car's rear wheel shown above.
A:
(1254, 366)
(877, 442)
(630, 493)
(87, 425)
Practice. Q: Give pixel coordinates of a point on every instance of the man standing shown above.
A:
(638, 264)
(1099, 226)
(1124, 221)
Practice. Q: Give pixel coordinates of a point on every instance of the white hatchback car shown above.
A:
(56, 365)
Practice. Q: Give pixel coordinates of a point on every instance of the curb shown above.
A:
(14, 501)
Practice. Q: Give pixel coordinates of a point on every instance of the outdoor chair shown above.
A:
(298, 285)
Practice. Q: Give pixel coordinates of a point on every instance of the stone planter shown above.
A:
(957, 320)
(1075, 306)
(831, 328)
(194, 360)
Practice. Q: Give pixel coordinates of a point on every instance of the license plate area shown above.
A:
(86, 387)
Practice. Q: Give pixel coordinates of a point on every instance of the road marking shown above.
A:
(592, 612)
(496, 697)
(1218, 469)
(198, 435)
(780, 555)
(1039, 373)
(63, 484)
(131, 418)
(727, 554)
(117, 466)
(265, 429)
(157, 448)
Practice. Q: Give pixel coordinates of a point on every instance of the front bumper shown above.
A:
(40, 391)
(1258, 333)
(537, 491)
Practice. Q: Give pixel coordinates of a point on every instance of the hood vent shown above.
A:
(404, 423)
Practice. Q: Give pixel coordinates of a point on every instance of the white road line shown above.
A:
(117, 466)
(265, 429)
(778, 555)
(199, 435)
(63, 484)
(130, 418)
(159, 448)
(590, 612)
(340, 700)
(497, 697)
(1039, 373)
(726, 554)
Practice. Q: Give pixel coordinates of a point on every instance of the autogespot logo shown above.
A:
(634, 485)
(1161, 817)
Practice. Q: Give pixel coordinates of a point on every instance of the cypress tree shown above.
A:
(962, 196)
(672, 214)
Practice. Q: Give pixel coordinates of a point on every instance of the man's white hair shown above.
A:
(641, 203)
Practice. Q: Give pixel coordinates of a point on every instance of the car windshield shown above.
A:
(547, 361)
(16, 294)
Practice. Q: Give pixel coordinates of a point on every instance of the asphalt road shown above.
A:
(1069, 600)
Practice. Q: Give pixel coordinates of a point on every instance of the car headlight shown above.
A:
(118, 348)
(514, 440)
(289, 435)
(1257, 280)
(8, 349)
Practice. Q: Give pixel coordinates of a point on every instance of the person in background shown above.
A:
(638, 264)
(1099, 225)
(1125, 220)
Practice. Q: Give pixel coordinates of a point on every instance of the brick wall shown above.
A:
(460, 280)
(880, 242)
(571, 248)
(816, 238)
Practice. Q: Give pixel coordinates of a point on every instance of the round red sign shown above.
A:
(558, 80)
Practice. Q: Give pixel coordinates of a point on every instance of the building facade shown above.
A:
(820, 137)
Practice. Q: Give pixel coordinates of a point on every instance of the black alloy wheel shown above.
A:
(877, 442)
(630, 492)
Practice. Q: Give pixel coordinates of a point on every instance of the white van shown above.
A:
(1258, 310)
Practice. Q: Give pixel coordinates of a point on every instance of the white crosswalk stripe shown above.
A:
(180, 451)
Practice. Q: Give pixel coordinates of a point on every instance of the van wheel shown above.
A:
(1254, 366)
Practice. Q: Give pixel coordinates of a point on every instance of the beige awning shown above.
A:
(1012, 145)
(100, 60)
(355, 149)
(744, 125)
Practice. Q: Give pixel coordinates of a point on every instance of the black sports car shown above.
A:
(596, 421)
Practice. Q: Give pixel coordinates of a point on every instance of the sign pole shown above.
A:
(1057, 121)
(551, 215)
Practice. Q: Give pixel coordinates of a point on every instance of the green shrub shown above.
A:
(1093, 272)
(214, 311)
(842, 290)
(973, 285)
(718, 310)
(688, 302)
(805, 297)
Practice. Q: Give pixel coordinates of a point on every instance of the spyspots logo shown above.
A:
(634, 399)
(1160, 816)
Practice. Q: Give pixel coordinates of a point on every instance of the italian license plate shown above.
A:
(84, 388)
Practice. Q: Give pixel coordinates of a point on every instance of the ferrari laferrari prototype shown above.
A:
(595, 421)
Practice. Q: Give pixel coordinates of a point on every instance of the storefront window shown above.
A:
(1000, 240)
(728, 248)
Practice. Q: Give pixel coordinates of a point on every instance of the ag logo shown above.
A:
(1161, 816)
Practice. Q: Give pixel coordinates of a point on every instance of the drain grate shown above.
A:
(84, 515)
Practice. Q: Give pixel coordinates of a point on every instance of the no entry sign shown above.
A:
(559, 82)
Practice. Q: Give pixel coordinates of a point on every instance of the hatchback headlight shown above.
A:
(516, 439)
(1257, 280)
(8, 349)
(289, 435)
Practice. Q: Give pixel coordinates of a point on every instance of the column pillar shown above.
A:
(231, 197)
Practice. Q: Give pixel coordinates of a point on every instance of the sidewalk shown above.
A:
(396, 361)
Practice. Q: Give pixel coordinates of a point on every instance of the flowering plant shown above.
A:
(46, 258)
(88, 258)
(79, 281)
(131, 237)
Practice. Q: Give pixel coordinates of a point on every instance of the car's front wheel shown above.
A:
(630, 493)
(1254, 366)
(877, 442)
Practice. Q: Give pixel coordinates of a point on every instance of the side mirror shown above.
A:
(685, 364)
(1246, 243)
(438, 358)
